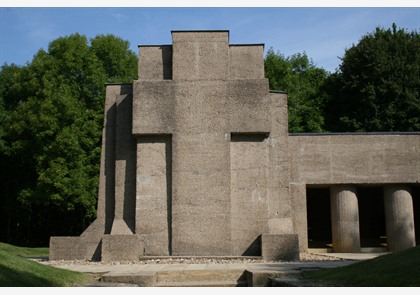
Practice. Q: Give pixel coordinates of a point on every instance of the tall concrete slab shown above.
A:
(154, 193)
(249, 175)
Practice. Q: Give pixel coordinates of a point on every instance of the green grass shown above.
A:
(16, 270)
(401, 269)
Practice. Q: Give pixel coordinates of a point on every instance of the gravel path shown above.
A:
(303, 257)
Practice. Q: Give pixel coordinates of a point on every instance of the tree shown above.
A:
(377, 87)
(53, 113)
(112, 53)
(302, 80)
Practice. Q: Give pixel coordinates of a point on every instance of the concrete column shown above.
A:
(345, 219)
(399, 217)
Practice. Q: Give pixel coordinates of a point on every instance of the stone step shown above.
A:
(203, 276)
(241, 283)
(144, 279)
(180, 278)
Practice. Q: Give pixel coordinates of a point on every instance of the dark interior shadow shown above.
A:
(254, 249)
(167, 61)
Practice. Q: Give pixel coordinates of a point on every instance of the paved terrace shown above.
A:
(170, 273)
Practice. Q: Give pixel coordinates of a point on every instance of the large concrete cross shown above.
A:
(211, 148)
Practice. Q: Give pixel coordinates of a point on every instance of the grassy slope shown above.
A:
(401, 269)
(18, 271)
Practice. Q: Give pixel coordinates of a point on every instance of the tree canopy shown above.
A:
(52, 113)
(302, 80)
(377, 87)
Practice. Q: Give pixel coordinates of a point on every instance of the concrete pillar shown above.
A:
(345, 219)
(399, 217)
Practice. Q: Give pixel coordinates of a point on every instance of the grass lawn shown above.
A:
(16, 270)
(401, 269)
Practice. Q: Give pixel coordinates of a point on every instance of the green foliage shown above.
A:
(400, 269)
(378, 85)
(112, 53)
(17, 271)
(301, 79)
(52, 110)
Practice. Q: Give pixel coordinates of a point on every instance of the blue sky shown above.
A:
(322, 32)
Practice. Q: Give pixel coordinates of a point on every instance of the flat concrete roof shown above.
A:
(354, 133)
(162, 45)
(200, 31)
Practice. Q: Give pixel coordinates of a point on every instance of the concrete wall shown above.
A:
(335, 159)
(328, 159)
(246, 61)
(155, 62)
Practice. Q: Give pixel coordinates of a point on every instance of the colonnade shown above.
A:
(399, 218)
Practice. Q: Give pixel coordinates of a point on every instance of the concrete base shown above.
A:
(280, 247)
(122, 248)
(74, 248)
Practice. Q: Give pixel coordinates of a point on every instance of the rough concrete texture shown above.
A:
(353, 158)
(155, 62)
(197, 160)
(122, 247)
(345, 219)
(399, 217)
(154, 193)
(280, 247)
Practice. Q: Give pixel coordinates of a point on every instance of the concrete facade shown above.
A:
(197, 161)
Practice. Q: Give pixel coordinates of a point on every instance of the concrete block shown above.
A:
(145, 279)
(75, 248)
(280, 247)
(122, 248)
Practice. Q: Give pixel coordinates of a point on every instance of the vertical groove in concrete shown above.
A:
(125, 168)
(399, 217)
(345, 219)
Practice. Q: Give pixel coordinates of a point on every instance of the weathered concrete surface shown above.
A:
(154, 193)
(122, 248)
(345, 219)
(280, 247)
(300, 223)
(353, 158)
(399, 216)
(220, 203)
(155, 62)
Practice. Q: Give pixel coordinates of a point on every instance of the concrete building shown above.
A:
(197, 161)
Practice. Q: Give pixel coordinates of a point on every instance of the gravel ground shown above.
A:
(303, 257)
